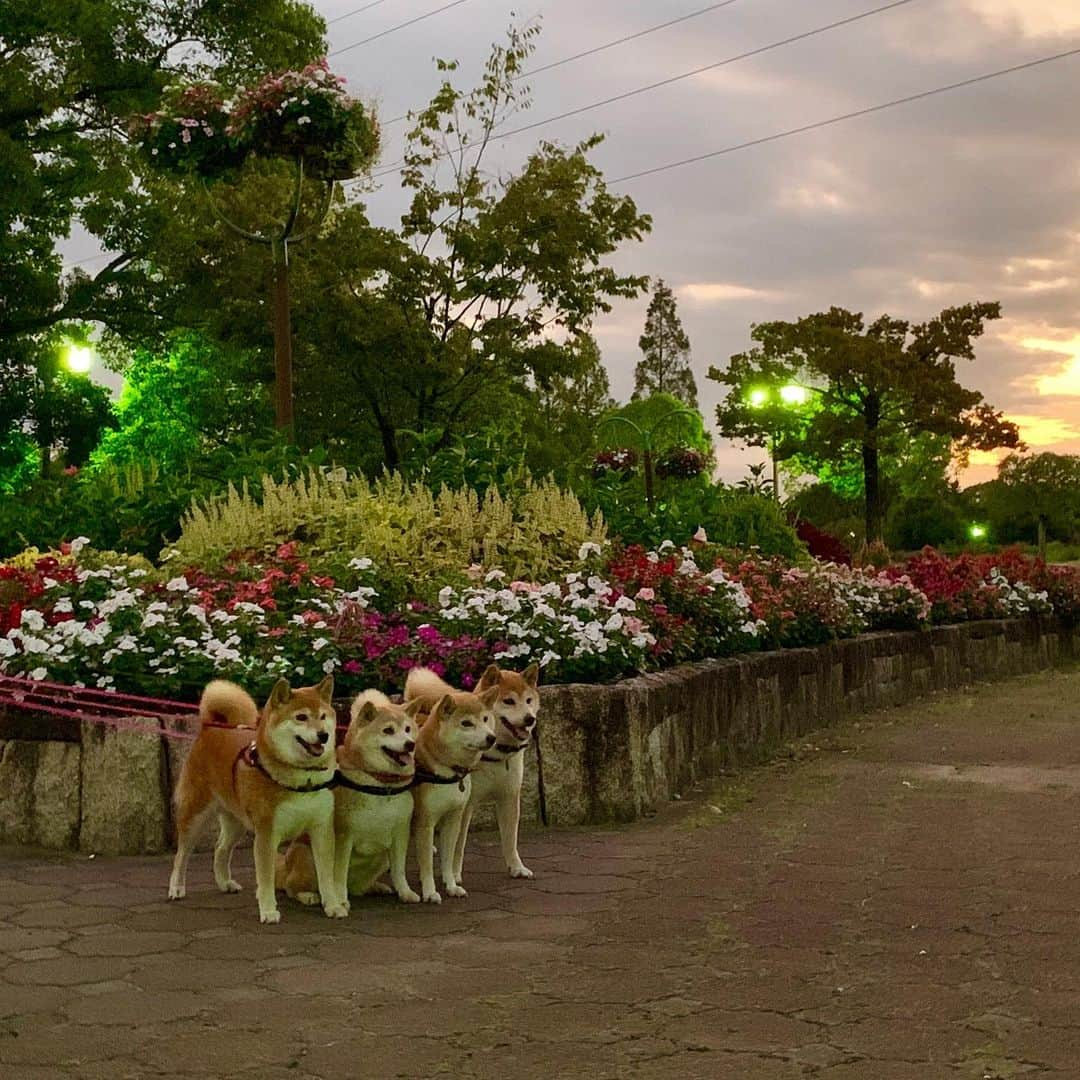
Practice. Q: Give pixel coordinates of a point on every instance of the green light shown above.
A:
(79, 358)
(794, 394)
(977, 532)
(758, 397)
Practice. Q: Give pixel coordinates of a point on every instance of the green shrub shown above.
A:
(923, 520)
(409, 532)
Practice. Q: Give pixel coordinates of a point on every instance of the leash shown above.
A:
(540, 793)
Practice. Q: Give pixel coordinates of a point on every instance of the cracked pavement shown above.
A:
(892, 898)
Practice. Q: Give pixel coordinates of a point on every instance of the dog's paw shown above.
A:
(521, 871)
(432, 898)
(177, 892)
(336, 911)
(409, 897)
(270, 917)
(230, 886)
(455, 890)
(308, 899)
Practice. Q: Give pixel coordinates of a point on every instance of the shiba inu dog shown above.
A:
(458, 729)
(498, 778)
(273, 781)
(373, 806)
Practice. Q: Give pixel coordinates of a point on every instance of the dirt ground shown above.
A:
(891, 900)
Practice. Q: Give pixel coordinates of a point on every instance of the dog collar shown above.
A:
(422, 776)
(341, 780)
(502, 748)
(249, 755)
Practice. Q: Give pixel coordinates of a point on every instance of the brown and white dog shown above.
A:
(458, 729)
(373, 806)
(273, 781)
(499, 776)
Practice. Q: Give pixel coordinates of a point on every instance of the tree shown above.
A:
(428, 326)
(869, 384)
(70, 75)
(1043, 489)
(665, 368)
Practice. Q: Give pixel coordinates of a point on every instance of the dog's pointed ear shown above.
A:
(489, 678)
(531, 675)
(489, 697)
(413, 707)
(366, 713)
(279, 695)
(443, 708)
(325, 689)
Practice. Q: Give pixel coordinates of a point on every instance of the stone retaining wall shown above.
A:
(611, 753)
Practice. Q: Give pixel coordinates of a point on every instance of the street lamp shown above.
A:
(790, 395)
(78, 358)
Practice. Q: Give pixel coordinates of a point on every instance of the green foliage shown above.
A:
(535, 532)
(20, 463)
(1041, 488)
(662, 419)
(873, 386)
(919, 520)
(184, 402)
(665, 366)
(730, 518)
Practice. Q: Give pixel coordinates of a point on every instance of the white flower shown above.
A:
(319, 643)
(34, 645)
(32, 620)
(329, 665)
(177, 584)
(701, 536)
(360, 564)
(303, 120)
(152, 619)
(7, 648)
(495, 575)
(38, 673)
(587, 549)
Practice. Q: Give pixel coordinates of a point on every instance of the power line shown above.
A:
(600, 48)
(679, 78)
(846, 116)
(394, 29)
(623, 40)
(355, 11)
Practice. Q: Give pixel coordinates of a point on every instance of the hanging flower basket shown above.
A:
(299, 115)
(188, 134)
(622, 461)
(681, 463)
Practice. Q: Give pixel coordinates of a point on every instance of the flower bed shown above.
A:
(102, 620)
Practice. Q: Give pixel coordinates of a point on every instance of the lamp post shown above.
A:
(645, 437)
(790, 395)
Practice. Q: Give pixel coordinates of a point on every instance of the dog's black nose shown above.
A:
(529, 721)
(410, 746)
(324, 737)
(491, 740)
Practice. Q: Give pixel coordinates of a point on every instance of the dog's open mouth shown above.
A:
(519, 733)
(314, 749)
(399, 757)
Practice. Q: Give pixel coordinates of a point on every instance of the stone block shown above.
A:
(125, 807)
(39, 793)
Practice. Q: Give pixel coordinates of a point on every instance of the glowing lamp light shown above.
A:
(758, 397)
(977, 532)
(79, 358)
(794, 395)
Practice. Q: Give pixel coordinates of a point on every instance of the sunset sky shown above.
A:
(971, 195)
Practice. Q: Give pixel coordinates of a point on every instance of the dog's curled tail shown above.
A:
(423, 684)
(376, 697)
(226, 703)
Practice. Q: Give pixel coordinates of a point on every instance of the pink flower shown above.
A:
(351, 667)
(646, 594)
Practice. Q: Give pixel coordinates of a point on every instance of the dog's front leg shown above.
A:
(463, 837)
(448, 836)
(343, 846)
(265, 864)
(322, 851)
(399, 846)
(424, 832)
(508, 815)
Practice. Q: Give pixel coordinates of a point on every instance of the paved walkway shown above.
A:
(896, 900)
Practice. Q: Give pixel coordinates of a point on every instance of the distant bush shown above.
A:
(924, 520)
(822, 545)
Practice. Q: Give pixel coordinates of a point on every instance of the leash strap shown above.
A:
(541, 794)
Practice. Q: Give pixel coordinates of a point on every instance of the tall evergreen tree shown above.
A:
(665, 368)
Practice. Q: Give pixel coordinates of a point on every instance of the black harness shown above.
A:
(341, 780)
(422, 776)
(249, 755)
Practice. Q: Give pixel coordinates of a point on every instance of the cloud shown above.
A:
(719, 292)
(1031, 18)
(1065, 380)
